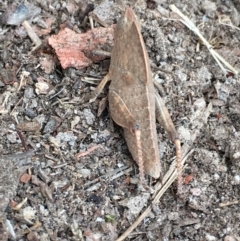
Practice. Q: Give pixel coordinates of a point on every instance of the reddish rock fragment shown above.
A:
(25, 178)
(76, 50)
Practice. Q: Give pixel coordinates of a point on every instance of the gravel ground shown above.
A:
(66, 172)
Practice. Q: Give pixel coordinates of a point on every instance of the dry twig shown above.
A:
(228, 203)
(219, 59)
(84, 153)
(114, 174)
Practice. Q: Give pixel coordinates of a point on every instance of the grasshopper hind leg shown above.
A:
(165, 121)
(123, 117)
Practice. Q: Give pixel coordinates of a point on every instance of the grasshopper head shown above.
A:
(127, 20)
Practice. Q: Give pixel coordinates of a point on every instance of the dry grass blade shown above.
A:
(149, 208)
(225, 20)
(168, 179)
(219, 59)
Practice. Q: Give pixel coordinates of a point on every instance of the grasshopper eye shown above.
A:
(135, 128)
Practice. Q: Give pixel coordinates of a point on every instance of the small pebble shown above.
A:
(200, 103)
(85, 172)
(229, 238)
(98, 219)
(210, 237)
(196, 191)
(88, 116)
(173, 216)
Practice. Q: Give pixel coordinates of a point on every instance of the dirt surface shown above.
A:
(66, 172)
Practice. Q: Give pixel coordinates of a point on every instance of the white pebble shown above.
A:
(196, 191)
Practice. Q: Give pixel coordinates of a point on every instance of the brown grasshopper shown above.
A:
(133, 102)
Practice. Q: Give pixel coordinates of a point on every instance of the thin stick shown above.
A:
(117, 175)
(123, 169)
(185, 20)
(93, 16)
(228, 203)
(32, 35)
(16, 105)
(22, 140)
(84, 153)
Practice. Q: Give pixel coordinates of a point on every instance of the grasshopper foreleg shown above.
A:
(99, 88)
